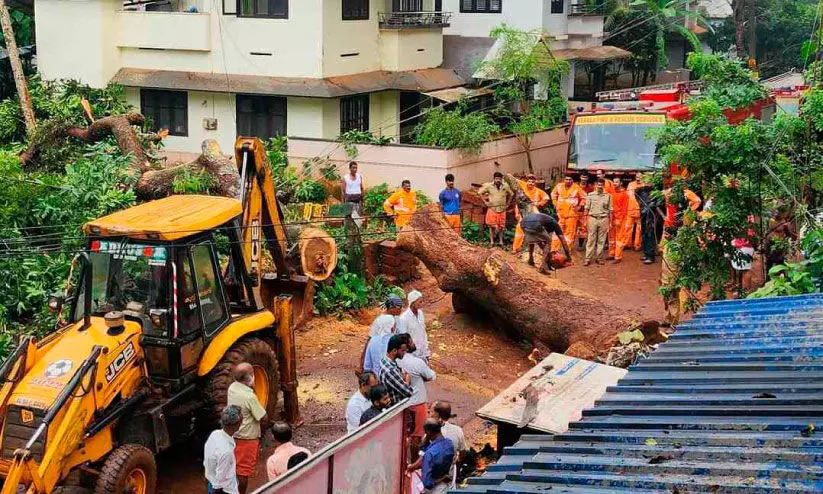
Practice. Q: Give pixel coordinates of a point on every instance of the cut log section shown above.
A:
(534, 306)
(318, 253)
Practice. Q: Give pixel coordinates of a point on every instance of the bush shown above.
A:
(455, 130)
(350, 291)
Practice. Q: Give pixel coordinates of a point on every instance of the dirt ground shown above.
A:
(472, 361)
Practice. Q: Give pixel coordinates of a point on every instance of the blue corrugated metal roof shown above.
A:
(723, 406)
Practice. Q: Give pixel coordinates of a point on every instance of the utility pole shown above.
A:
(17, 68)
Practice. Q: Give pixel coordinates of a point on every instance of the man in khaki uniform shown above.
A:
(247, 438)
(599, 209)
(496, 195)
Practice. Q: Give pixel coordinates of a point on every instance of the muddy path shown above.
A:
(472, 361)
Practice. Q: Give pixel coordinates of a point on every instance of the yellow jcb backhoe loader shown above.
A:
(170, 296)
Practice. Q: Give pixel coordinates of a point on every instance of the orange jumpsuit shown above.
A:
(620, 202)
(632, 220)
(672, 210)
(539, 198)
(566, 200)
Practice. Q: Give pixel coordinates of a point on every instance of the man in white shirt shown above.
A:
(442, 411)
(218, 453)
(413, 322)
(419, 374)
(359, 401)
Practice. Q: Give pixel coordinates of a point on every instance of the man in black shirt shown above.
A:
(649, 214)
(538, 228)
(380, 400)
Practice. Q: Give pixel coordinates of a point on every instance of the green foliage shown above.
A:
(660, 19)
(731, 85)
(291, 185)
(43, 212)
(797, 278)
(753, 172)
(188, 182)
(455, 129)
(350, 291)
(351, 138)
(783, 27)
(310, 190)
(374, 198)
(473, 232)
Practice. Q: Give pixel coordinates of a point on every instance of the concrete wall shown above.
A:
(76, 39)
(349, 47)
(426, 166)
(411, 49)
(521, 14)
(164, 30)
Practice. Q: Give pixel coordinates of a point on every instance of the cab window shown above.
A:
(209, 290)
(190, 321)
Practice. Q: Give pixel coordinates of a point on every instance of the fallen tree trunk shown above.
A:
(155, 181)
(534, 306)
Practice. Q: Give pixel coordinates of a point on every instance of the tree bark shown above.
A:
(739, 15)
(537, 307)
(17, 68)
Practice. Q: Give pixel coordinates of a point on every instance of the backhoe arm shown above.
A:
(261, 212)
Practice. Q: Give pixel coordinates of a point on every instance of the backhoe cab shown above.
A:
(167, 299)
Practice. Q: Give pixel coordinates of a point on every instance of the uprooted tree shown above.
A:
(544, 310)
(154, 180)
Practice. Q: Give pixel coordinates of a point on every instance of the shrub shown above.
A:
(455, 130)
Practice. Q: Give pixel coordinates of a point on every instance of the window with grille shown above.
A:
(407, 6)
(482, 6)
(354, 113)
(278, 9)
(557, 6)
(166, 110)
(261, 116)
(355, 10)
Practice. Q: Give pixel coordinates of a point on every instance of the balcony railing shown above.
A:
(587, 9)
(410, 20)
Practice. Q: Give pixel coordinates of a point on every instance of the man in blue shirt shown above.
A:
(436, 463)
(450, 203)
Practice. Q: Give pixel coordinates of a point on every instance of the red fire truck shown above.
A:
(617, 135)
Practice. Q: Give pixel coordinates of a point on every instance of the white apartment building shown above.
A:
(221, 68)
(573, 27)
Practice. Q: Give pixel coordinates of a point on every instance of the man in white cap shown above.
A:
(413, 322)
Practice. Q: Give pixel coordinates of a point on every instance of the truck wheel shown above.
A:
(260, 355)
(129, 469)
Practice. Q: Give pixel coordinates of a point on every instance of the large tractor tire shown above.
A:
(129, 469)
(261, 356)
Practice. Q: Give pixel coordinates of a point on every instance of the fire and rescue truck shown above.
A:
(617, 135)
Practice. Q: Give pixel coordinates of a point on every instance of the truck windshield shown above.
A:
(615, 141)
(129, 277)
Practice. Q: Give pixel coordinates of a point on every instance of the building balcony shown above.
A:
(188, 31)
(414, 20)
(583, 9)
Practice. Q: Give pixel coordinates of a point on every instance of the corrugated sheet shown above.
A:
(726, 405)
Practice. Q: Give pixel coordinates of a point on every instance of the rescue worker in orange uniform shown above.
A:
(401, 205)
(620, 202)
(566, 198)
(538, 198)
(631, 223)
(586, 186)
(673, 213)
